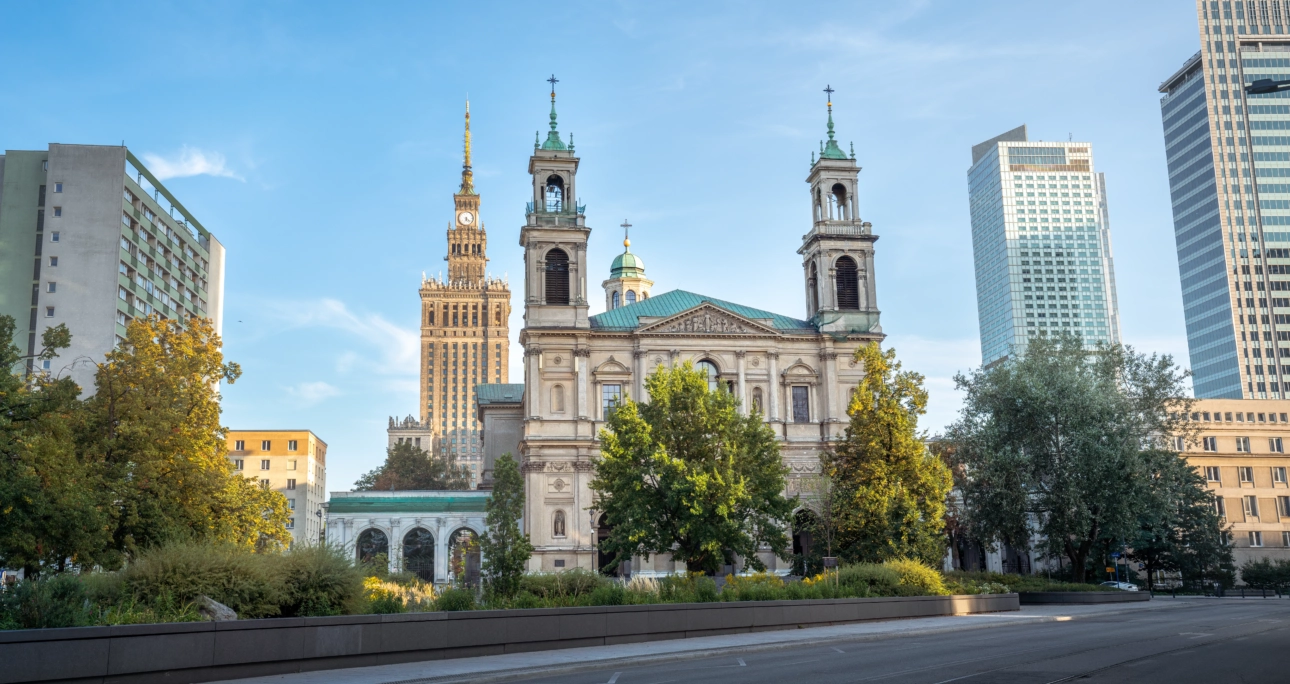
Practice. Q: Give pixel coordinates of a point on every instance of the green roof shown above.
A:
(678, 301)
(499, 393)
(407, 504)
(627, 265)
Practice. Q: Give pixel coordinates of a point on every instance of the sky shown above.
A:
(321, 143)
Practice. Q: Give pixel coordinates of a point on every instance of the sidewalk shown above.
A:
(517, 665)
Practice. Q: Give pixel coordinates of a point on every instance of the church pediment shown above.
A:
(706, 319)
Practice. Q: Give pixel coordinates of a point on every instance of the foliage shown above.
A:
(409, 467)
(317, 580)
(1266, 573)
(378, 565)
(916, 578)
(570, 583)
(1178, 527)
(504, 546)
(380, 599)
(1056, 437)
(455, 599)
(55, 601)
(959, 578)
(890, 490)
(230, 574)
(686, 474)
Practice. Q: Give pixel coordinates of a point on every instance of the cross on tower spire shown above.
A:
(829, 90)
(626, 230)
(553, 141)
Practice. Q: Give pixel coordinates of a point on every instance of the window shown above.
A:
(1285, 539)
(1220, 507)
(52, 287)
(613, 300)
(291, 504)
(266, 445)
(631, 297)
(610, 397)
(1180, 443)
(291, 464)
(291, 484)
(1246, 474)
(848, 284)
(53, 261)
(237, 464)
(557, 277)
(58, 187)
(710, 369)
(53, 237)
(291, 523)
(1256, 539)
(291, 445)
(1243, 444)
(1283, 506)
(1279, 475)
(1212, 474)
(1211, 443)
(1250, 506)
(49, 312)
(264, 464)
(801, 404)
(1275, 445)
(264, 483)
(58, 211)
(239, 445)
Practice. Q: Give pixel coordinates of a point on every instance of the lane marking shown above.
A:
(741, 663)
(838, 650)
(614, 678)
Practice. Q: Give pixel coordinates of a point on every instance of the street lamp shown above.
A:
(1264, 86)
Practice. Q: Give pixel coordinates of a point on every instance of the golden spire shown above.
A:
(467, 177)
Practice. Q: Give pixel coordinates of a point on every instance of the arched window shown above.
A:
(372, 543)
(554, 194)
(557, 524)
(418, 553)
(613, 304)
(557, 277)
(812, 290)
(557, 399)
(757, 400)
(497, 317)
(631, 297)
(848, 284)
(839, 200)
(644, 296)
(710, 369)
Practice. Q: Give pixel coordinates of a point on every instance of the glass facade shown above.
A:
(1041, 244)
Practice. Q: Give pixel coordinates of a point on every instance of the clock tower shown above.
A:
(465, 334)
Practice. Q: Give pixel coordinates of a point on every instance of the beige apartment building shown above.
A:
(1241, 450)
(293, 462)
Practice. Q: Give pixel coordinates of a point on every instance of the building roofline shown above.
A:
(1179, 75)
(1017, 134)
(315, 435)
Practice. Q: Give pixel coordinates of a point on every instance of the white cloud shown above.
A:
(310, 393)
(392, 350)
(190, 161)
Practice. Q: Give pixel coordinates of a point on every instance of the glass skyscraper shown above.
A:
(1041, 243)
(1229, 178)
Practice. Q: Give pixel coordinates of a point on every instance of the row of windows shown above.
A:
(265, 445)
(1245, 474)
(1250, 508)
(239, 464)
(1275, 446)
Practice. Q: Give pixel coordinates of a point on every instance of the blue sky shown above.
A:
(321, 143)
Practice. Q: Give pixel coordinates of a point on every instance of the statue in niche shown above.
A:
(558, 524)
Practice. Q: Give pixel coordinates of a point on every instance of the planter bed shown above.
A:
(207, 651)
(1032, 598)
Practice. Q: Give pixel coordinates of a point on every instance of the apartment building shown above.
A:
(293, 462)
(91, 239)
(1241, 450)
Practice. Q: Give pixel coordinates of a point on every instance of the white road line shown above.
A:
(614, 678)
(838, 649)
(741, 662)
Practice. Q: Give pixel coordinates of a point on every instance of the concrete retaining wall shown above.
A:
(1031, 598)
(206, 651)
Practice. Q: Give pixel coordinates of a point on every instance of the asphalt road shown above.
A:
(1204, 641)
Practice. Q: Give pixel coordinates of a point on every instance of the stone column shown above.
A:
(642, 358)
(743, 393)
(580, 358)
(579, 267)
(540, 281)
(533, 384)
(872, 301)
(829, 361)
(396, 545)
(772, 359)
(440, 551)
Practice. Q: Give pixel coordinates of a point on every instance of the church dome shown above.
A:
(627, 265)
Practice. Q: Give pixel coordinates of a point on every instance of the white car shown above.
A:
(1122, 586)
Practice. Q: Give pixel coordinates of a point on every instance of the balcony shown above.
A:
(564, 210)
(848, 228)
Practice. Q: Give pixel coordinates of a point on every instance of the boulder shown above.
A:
(214, 610)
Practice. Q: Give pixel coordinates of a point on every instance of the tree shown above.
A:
(51, 499)
(891, 489)
(1051, 444)
(504, 546)
(410, 467)
(1179, 528)
(154, 424)
(1266, 573)
(686, 474)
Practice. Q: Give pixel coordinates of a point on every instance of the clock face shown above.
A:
(466, 218)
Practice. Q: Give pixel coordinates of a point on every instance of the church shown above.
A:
(797, 372)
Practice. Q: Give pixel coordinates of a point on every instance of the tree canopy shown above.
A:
(409, 467)
(686, 474)
(504, 546)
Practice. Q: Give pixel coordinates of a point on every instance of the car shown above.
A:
(1122, 586)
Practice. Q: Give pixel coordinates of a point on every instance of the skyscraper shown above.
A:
(91, 239)
(1231, 199)
(465, 333)
(1041, 242)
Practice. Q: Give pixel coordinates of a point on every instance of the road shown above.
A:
(1219, 640)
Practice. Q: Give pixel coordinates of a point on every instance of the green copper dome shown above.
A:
(627, 265)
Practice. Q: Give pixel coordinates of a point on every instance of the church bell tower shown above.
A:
(837, 254)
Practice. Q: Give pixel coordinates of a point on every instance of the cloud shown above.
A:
(190, 161)
(393, 350)
(310, 393)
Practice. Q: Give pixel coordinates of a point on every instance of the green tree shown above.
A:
(504, 546)
(1179, 529)
(51, 500)
(891, 490)
(410, 467)
(1266, 573)
(686, 474)
(1056, 437)
(154, 423)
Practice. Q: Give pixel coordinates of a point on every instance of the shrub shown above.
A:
(1266, 574)
(317, 580)
(759, 586)
(608, 594)
(455, 599)
(869, 579)
(55, 601)
(1015, 582)
(692, 588)
(916, 578)
(376, 566)
(235, 577)
(381, 600)
(562, 586)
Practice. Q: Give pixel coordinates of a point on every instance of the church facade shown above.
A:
(797, 372)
